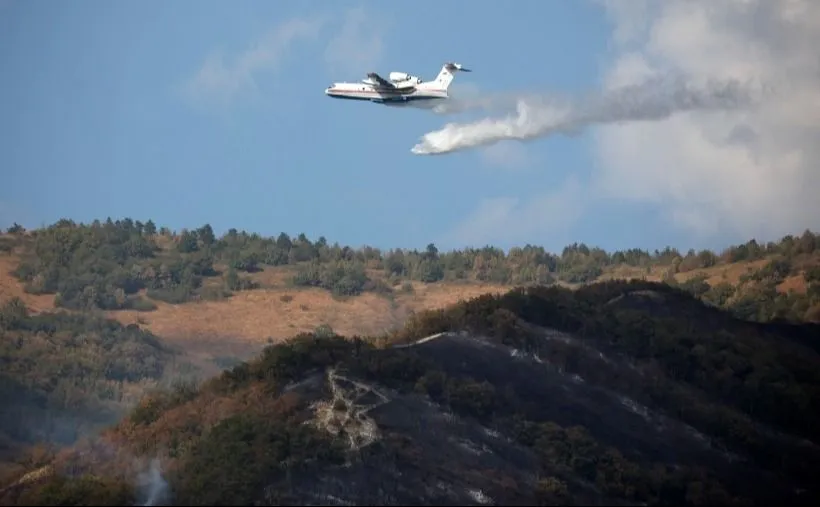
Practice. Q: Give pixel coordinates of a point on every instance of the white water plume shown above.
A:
(538, 117)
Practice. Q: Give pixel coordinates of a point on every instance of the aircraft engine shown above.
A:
(400, 77)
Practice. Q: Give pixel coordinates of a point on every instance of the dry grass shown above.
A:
(794, 283)
(269, 277)
(241, 325)
(729, 273)
(10, 287)
(627, 273)
(254, 316)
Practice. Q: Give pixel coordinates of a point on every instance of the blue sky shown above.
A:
(192, 112)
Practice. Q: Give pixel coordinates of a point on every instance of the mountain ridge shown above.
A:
(365, 291)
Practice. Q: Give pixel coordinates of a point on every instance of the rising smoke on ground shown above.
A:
(152, 486)
(541, 116)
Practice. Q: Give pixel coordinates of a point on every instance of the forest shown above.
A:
(128, 264)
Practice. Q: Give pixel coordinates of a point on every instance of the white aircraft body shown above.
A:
(401, 89)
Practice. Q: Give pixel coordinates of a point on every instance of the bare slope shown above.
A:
(280, 311)
(11, 287)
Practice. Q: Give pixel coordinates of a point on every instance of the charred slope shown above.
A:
(626, 393)
(614, 423)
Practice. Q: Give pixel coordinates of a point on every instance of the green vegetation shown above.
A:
(248, 452)
(106, 265)
(114, 265)
(65, 373)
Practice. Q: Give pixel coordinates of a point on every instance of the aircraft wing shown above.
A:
(382, 81)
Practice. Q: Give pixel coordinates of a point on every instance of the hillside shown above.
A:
(211, 305)
(79, 298)
(66, 375)
(245, 289)
(615, 393)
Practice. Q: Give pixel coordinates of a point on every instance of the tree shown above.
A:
(324, 331)
(284, 242)
(206, 235)
(806, 243)
(707, 258)
(431, 252)
(150, 228)
(16, 229)
(188, 242)
(232, 280)
(430, 271)
(13, 313)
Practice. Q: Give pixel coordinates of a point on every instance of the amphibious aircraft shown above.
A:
(400, 89)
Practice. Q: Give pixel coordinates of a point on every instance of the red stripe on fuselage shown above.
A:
(385, 91)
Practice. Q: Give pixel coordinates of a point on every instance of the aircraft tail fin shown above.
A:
(447, 73)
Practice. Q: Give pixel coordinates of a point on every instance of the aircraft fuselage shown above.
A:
(401, 88)
(392, 97)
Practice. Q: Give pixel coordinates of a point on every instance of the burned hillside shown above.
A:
(618, 393)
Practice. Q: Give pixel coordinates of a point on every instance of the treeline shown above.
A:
(107, 264)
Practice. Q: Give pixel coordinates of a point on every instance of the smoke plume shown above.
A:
(152, 485)
(712, 170)
(730, 176)
(543, 116)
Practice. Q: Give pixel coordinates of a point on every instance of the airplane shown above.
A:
(401, 89)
